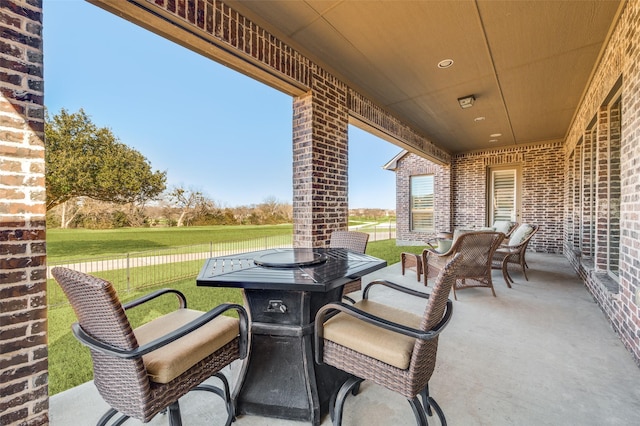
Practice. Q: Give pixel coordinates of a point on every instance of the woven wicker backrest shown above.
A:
(440, 294)
(122, 383)
(352, 240)
(477, 248)
(423, 359)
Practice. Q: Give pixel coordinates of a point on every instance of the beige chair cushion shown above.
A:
(502, 226)
(170, 361)
(384, 345)
(444, 245)
(520, 234)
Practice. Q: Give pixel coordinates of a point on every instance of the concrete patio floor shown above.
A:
(541, 353)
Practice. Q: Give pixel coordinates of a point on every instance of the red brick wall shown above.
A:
(413, 165)
(23, 312)
(618, 298)
(542, 189)
(320, 162)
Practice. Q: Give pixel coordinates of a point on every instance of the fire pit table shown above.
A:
(283, 289)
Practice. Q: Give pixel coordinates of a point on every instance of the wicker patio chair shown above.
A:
(355, 241)
(391, 347)
(513, 252)
(477, 248)
(142, 372)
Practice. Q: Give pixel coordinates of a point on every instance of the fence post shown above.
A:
(210, 248)
(128, 275)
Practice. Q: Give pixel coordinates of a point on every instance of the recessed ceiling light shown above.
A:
(493, 140)
(445, 63)
(479, 119)
(495, 135)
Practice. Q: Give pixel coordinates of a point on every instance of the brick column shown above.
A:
(320, 162)
(23, 307)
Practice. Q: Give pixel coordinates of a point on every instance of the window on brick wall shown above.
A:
(586, 197)
(504, 195)
(594, 185)
(613, 241)
(422, 194)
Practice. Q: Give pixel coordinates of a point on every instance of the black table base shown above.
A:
(282, 379)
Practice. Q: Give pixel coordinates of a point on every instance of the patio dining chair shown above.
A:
(513, 252)
(477, 249)
(355, 241)
(142, 372)
(386, 345)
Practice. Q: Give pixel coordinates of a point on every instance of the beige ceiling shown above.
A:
(526, 62)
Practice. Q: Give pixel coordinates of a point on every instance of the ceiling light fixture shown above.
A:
(493, 140)
(495, 135)
(445, 63)
(479, 119)
(466, 101)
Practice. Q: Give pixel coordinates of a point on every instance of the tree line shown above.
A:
(93, 180)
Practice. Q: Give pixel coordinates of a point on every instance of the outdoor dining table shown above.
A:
(283, 290)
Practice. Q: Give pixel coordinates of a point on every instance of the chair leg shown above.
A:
(438, 410)
(429, 403)
(505, 271)
(224, 393)
(108, 415)
(418, 411)
(424, 394)
(174, 415)
(524, 270)
(343, 392)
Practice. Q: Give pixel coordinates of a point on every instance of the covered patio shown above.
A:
(549, 89)
(541, 353)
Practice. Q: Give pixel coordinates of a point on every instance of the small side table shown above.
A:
(412, 261)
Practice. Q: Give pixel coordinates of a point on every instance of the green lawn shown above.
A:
(69, 362)
(63, 244)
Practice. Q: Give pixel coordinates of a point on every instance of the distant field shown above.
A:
(65, 244)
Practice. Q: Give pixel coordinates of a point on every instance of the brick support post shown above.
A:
(23, 301)
(320, 162)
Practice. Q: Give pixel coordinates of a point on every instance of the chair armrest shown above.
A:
(432, 243)
(374, 320)
(512, 249)
(108, 349)
(155, 294)
(433, 252)
(392, 285)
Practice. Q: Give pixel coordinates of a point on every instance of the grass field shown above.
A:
(75, 243)
(69, 362)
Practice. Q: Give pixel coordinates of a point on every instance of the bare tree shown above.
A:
(190, 202)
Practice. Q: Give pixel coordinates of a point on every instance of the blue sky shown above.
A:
(211, 128)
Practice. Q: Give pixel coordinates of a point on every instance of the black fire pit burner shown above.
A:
(291, 258)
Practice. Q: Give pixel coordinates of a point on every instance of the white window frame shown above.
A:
(422, 186)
